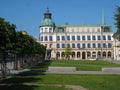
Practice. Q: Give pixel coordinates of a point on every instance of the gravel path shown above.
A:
(73, 87)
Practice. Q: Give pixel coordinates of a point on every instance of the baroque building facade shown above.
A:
(116, 46)
(88, 42)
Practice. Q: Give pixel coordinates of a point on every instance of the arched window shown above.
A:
(104, 54)
(63, 54)
(109, 54)
(78, 54)
(73, 54)
(94, 55)
(88, 54)
(99, 55)
(58, 55)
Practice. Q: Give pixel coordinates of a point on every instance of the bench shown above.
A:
(111, 70)
(61, 69)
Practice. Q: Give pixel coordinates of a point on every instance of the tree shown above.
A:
(17, 43)
(28, 48)
(68, 51)
(117, 19)
(7, 32)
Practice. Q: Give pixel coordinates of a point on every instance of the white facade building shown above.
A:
(86, 41)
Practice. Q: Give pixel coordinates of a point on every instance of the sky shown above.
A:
(27, 14)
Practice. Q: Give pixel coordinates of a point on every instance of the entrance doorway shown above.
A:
(83, 55)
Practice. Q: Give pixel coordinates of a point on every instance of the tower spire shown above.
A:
(103, 18)
(47, 14)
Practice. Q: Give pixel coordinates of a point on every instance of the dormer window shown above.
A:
(93, 30)
(98, 30)
(41, 29)
(46, 29)
(106, 29)
(60, 29)
(87, 29)
(50, 29)
(72, 30)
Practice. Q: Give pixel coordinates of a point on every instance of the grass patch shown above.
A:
(83, 65)
(27, 87)
(47, 87)
(92, 82)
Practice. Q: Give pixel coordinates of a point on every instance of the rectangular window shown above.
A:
(94, 45)
(73, 37)
(50, 30)
(93, 38)
(63, 45)
(68, 45)
(72, 30)
(83, 45)
(109, 45)
(83, 37)
(104, 45)
(73, 45)
(109, 37)
(89, 46)
(50, 38)
(46, 45)
(63, 37)
(98, 30)
(99, 38)
(60, 29)
(68, 37)
(41, 38)
(58, 45)
(78, 45)
(46, 38)
(50, 45)
(104, 37)
(88, 37)
(93, 30)
(58, 38)
(99, 45)
(46, 29)
(78, 37)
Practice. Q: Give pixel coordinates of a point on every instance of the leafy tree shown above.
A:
(17, 43)
(27, 47)
(68, 51)
(117, 19)
(7, 32)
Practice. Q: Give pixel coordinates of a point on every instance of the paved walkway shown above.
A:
(83, 72)
(47, 72)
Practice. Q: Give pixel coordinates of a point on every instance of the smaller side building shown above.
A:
(116, 46)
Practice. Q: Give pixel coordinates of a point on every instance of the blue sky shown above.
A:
(27, 14)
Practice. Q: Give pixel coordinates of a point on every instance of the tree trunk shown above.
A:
(15, 62)
(3, 65)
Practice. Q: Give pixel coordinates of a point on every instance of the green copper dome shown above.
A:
(47, 21)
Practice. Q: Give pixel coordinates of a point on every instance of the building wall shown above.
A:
(54, 41)
(116, 46)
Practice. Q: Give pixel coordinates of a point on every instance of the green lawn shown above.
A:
(36, 81)
(47, 82)
(83, 65)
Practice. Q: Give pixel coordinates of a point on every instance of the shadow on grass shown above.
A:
(17, 87)
(42, 66)
(16, 82)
